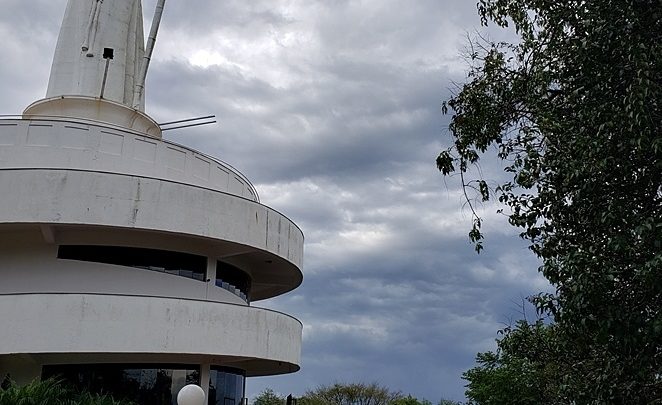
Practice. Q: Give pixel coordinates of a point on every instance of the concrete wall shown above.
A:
(260, 341)
(84, 145)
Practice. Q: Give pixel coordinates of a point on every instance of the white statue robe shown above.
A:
(89, 26)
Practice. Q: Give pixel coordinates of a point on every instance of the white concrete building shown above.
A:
(129, 263)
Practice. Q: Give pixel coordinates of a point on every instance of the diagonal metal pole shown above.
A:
(139, 87)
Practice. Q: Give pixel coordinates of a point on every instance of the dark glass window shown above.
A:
(156, 384)
(164, 261)
(226, 386)
(233, 279)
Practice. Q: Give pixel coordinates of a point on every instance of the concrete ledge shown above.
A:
(50, 326)
(92, 199)
(69, 143)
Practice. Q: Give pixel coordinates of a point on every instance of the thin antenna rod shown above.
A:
(139, 87)
(105, 77)
(188, 125)
(186, 120)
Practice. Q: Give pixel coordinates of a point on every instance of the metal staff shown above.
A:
(139, 87)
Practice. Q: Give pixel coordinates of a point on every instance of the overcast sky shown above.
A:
(332, 109)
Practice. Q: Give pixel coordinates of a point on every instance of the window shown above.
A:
(164, 261)
(140, 383)
(226, 386)
(233, 279)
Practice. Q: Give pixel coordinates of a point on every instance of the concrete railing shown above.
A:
(70, 143)
(260, 341)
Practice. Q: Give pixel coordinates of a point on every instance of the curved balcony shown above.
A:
(82, 207)
(111, 328)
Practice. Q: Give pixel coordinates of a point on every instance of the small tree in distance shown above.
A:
(448, 402)
(409, 400)
(350, 394)
(268, 397)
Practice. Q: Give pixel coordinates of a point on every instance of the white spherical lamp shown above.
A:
(191, 395)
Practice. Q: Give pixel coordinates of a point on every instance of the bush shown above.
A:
(52, 392)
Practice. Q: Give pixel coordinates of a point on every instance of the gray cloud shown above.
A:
(332, 109)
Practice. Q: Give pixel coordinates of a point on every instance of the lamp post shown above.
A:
(191, 395)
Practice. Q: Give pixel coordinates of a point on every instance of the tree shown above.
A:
(573, 110)
(350, 394)
(525, 369)
(268, 397)
(409, 400)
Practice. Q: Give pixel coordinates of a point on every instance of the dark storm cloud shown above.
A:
(332, 110)
(343, 126)
(406, 320)
(418, 304)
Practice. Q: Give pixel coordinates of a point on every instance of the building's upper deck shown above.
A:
(79, 144)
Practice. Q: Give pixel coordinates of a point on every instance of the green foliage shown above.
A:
(448, 402)
(51, 392)
(409, 400)
(350, 394)
(268, 397)
(524, 370)
(87, 398)
(574, 110)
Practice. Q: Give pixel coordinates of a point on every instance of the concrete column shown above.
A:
(211, 274)
(204, 378)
